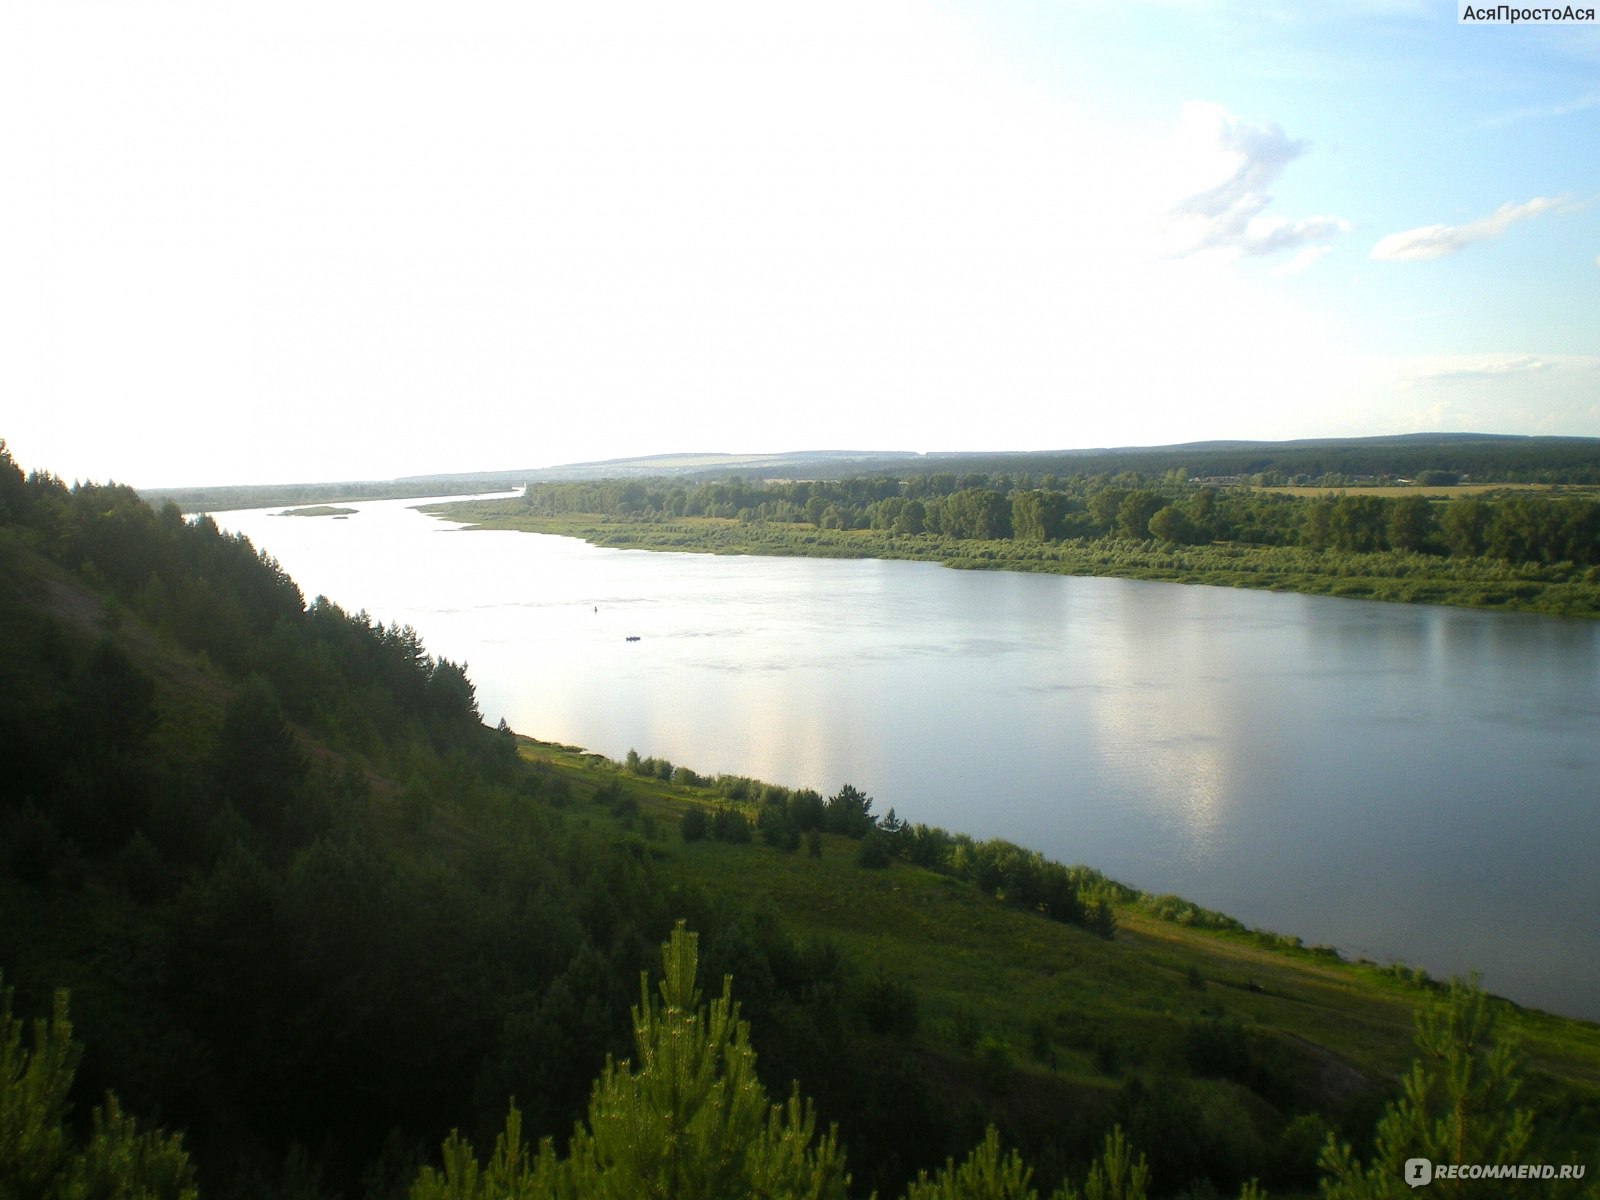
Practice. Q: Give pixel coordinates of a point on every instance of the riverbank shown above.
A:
(1050, 990)
(1395, 576)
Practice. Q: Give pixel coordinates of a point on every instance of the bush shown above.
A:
(995, 1058)
(807, 810)
(1217, 1048)
(874, 852)
(694, 825)
(777, 830)
(889, 1006)
(729, 825)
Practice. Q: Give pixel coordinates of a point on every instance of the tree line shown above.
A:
(1322, 462)
(1009, 873)
(1514, 527)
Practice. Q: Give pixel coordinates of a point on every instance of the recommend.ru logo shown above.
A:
(1421, 1171)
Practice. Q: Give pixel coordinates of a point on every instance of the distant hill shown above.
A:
(1485, 457)
(1482, 456)
(688, 463)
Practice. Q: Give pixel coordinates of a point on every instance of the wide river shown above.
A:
(1401, 781)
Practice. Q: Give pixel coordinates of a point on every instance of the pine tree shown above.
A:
(39, 1159)
(1456, 1106)
(688, 1120)
(691, 1119)
(1116, 1176)
(985, 1175)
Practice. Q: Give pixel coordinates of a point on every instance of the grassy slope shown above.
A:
(1392, 576)
(1349, 1023)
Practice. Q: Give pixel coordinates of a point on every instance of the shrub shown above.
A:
(889, 1006)
(874, 852)
(694, 825)
(729, 825)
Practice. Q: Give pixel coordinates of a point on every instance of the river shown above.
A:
(1401, 781)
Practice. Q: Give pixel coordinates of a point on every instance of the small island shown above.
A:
(319, 510)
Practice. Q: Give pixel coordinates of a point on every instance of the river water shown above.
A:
(1401, 781)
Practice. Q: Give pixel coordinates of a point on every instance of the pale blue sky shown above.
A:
(259, 242)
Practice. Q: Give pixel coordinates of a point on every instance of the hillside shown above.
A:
(314, 914)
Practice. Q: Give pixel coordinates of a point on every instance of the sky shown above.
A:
(248, 242)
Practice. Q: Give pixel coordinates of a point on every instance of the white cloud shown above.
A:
(1244, 159)
(1498, 393)
(1437, 241)
(1495, 367)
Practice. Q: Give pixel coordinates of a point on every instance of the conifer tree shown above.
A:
(39, 1159)
(687, 1120)
(690, 1118)
(1456, 1106)
(1117, 1175)
(985, 1175)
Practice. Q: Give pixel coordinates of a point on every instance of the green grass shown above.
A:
(1389, 575)
(968, 956)
(1435, 492)
(319, 510)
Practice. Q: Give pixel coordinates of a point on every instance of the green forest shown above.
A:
(284, 919)
(1433, 539)
(1325, 462)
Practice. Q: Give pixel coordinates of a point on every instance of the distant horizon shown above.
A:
(563, 233)
(869, 455)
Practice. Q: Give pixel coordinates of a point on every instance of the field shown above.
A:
(1438, 493)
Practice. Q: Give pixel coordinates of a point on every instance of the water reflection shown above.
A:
(1400, 781)
(1166, 722)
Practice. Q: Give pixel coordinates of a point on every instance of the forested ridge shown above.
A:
(1326, 462)
(313, 915)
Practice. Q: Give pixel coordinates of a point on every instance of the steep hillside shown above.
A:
(313, 915)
